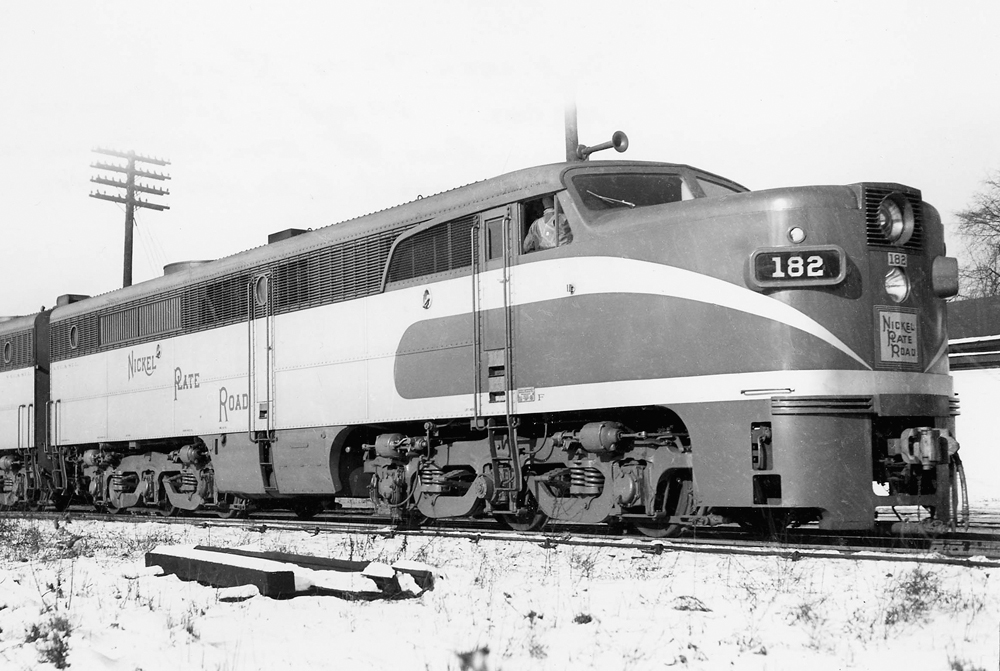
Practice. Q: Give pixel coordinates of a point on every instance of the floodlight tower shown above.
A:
(129, 199)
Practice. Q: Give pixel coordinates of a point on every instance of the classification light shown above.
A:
(796, 234)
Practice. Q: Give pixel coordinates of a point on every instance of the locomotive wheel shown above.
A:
(109, 502)
(531, 519)
(225, 508)
(679, 502)
(164, 509)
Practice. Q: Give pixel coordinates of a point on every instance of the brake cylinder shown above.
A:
(598, 437)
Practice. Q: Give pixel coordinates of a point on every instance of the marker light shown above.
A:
(897, 284)
(944, 277)
(796, 234)
(895, 219)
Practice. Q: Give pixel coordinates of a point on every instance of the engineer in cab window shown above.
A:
(543, 231)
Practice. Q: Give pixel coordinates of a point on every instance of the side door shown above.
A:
(493, 315)
(260, 364)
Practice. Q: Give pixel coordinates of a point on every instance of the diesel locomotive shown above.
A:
(684, 352)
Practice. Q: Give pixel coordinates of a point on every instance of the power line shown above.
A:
(151, 246)
(143, 238)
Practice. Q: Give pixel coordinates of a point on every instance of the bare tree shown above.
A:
(980, 226)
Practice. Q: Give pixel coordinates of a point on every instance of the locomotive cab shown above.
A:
(806, 324)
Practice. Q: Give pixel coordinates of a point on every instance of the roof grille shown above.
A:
(872, 196)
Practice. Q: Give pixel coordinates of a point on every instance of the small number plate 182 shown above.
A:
(796, 266)
(897, 259)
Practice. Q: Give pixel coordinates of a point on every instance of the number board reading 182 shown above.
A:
(796, 266)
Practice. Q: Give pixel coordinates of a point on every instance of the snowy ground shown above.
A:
(65, 599)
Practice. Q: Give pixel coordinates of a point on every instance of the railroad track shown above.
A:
(974, 548)
(979, 517)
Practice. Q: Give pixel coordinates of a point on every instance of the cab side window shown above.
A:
(494, 238)
(545, 225)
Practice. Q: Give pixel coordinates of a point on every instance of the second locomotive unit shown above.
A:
(581, 342)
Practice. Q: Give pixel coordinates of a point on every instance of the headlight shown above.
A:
(897, 284)
(895, 219)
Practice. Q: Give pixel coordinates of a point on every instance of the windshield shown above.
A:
(600, 192)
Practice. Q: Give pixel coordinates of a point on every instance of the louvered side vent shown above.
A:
(295, 282)
(872, 197)
(141, 321)
(447, 246)
(74, 337)
(17, 350)
(461, 245)
(222, 301)
(348, 270)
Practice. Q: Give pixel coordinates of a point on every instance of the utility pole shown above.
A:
(131, 187)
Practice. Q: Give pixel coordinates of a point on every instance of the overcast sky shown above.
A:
(279, 114)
